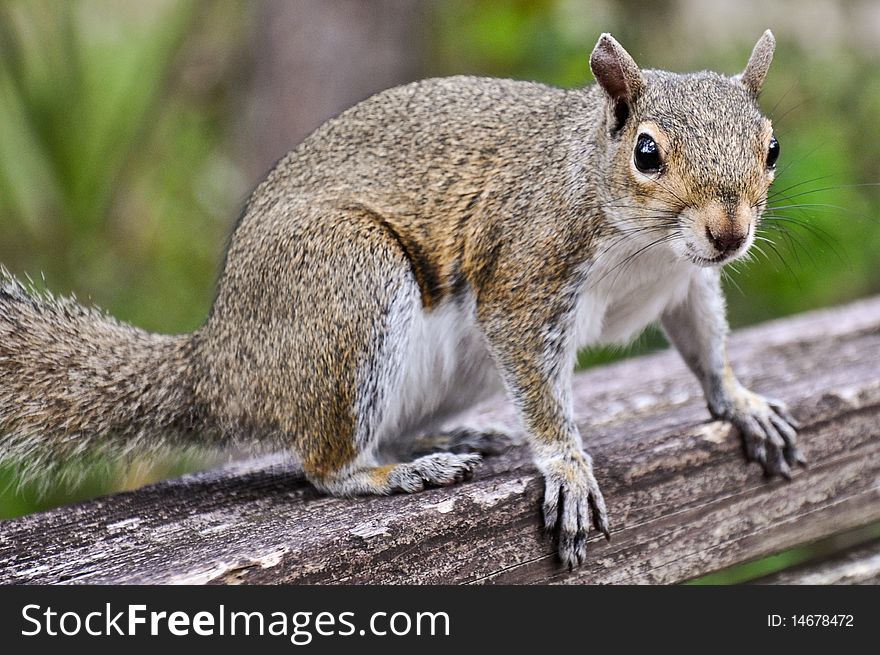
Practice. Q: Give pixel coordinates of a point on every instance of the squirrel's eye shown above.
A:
(772, 153)
(647, 155)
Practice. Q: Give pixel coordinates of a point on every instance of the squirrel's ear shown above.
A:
(756, 70)
(617, 73)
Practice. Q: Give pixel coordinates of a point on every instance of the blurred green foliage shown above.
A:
(116, 179)
(112, 177)
(114, 182)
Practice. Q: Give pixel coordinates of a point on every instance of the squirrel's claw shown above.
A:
(780, 410)
(572, 501)
(600, 515)
(769, 434)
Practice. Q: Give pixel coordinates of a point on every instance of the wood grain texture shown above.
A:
(681, 500)
(860, 565)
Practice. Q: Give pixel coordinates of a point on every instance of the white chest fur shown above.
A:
(622, 296)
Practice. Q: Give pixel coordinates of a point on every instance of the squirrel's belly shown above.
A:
(444, 370)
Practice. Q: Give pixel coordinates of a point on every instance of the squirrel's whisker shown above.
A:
(778, 192)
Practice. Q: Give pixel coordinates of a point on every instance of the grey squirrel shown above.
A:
(429, 246)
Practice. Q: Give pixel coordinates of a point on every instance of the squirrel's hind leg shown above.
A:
(397, 358)
(438, 469)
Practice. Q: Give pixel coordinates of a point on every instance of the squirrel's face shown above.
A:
(696, 161)
(691, 157)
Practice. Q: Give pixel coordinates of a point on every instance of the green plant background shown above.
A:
(118, 182)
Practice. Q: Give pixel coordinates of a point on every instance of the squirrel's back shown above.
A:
(409, 145)
(441, 163)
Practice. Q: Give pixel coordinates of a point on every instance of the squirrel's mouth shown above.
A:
(710, 261)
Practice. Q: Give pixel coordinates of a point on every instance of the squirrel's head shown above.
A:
(690, 157)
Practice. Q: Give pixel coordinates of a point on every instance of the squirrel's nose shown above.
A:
(725, 241)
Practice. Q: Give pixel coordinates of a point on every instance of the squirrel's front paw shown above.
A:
(768, 431)
(570, 494)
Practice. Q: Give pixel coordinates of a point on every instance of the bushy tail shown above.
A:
(74, 383)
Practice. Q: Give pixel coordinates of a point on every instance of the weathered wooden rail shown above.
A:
(681, 501)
